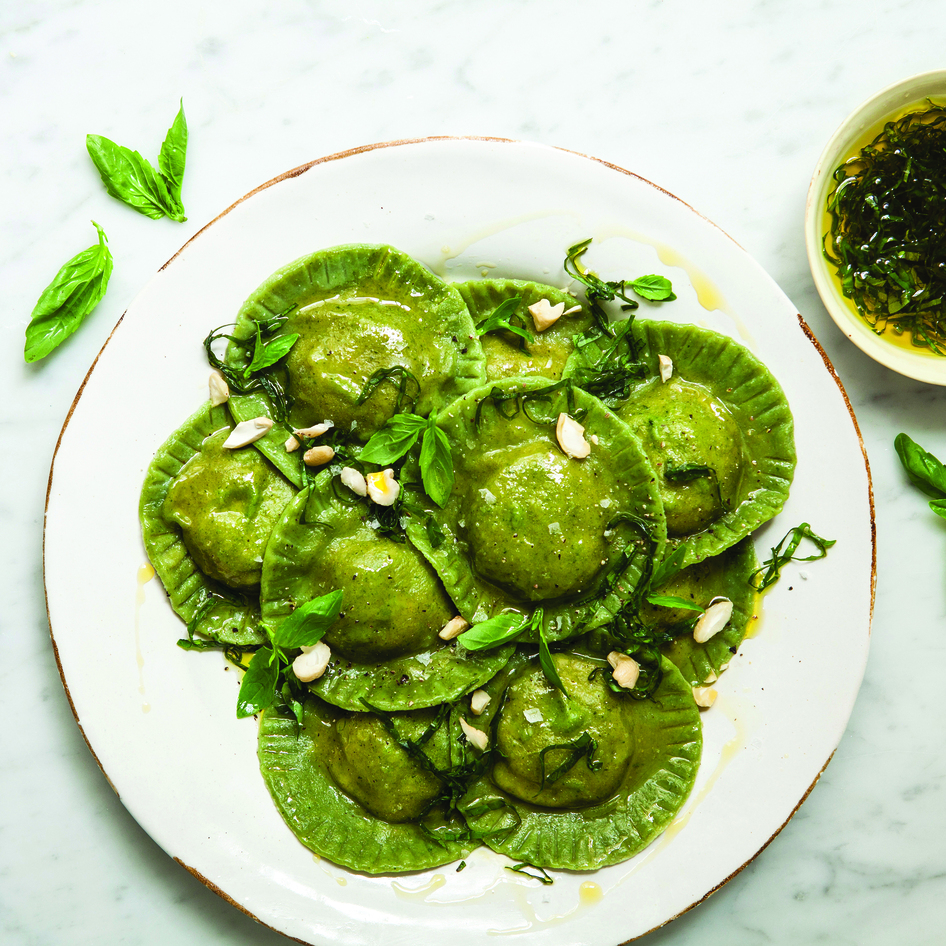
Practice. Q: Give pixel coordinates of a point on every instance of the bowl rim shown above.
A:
(916, 365)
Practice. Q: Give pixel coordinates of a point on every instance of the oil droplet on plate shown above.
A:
(590, 892)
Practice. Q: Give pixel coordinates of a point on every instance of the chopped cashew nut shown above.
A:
(571, 437)
(475, 737)
(453, 628)
(354, 481)
(533, 714)
(219, 389)
(711, 677)
(704, 696)
(545, 314)
(666, 368)
(247, 432)
(292, 444)
(383, 488)
(572, 310)
(712, 620)
(318, 456)
(625, 670)
(311, 663)
(479, 701)
(315, 431)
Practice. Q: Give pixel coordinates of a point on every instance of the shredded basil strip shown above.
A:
(584, 747)
(69, 299)
(406, 385)
(784, 552)
(524, 868)
(888, 220)
(545, 655)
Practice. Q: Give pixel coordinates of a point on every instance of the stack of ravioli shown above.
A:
(382, 773)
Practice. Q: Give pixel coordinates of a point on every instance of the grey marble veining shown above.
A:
(727, 106)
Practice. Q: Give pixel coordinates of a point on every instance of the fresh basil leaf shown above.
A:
(436, 463)
(504, 319)
(924, 470)
(654, 288)
(494, 631)
(672, 601)
(258, 689)
(670, 566)
(65, 303)
(131, 179)
(269, 353)
(435, 535)
(309, 622)
(393, 440)
(939, 507)
(545, 658)
(173, 156)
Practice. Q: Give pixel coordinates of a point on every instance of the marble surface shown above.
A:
(728, 108)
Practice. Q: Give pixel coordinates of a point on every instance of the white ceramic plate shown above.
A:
(857, 130)
(161, 721)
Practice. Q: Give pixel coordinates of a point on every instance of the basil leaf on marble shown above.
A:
(393, 440)
(924, 470)
(436, 463)
(132, 179)
(65, 303)
(307, 625)
(258, 689)
(173, 155)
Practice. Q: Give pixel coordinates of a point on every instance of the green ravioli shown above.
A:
(206, 516)
(723, 576)
(509, 356)
(527, 526)
(350, 793)
(357, 310)
(385, 645)
(611, 802)
(719, 433)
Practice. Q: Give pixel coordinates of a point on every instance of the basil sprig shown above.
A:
(133, 180)
(270, 670)
(398, 436)
(504, 318)
(653, 288)
(68, 300)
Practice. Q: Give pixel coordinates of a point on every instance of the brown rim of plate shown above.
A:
(296, 172)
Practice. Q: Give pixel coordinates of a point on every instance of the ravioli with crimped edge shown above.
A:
(206, 516)
(528, 526)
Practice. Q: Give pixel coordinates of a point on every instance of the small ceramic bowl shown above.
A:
(854, 132)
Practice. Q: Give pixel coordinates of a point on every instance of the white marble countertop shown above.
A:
(728, 108)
